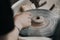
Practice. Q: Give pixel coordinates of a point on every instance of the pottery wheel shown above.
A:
(41, 19)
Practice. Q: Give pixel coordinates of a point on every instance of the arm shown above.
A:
(7, 29)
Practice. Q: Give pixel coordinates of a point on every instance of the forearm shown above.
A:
(13, 35)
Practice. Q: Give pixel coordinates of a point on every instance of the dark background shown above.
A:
(13, 1)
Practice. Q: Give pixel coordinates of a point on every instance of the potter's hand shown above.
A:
(23, 20)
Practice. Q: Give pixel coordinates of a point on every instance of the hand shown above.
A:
(23, 20)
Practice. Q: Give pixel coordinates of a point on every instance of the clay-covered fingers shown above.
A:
(25, 8)
(27, 18)
(23, 20)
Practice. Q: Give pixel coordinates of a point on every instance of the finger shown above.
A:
(29, 20)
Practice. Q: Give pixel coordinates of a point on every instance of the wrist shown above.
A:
(19, 27)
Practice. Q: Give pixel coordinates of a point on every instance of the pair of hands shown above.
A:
(23, 20)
